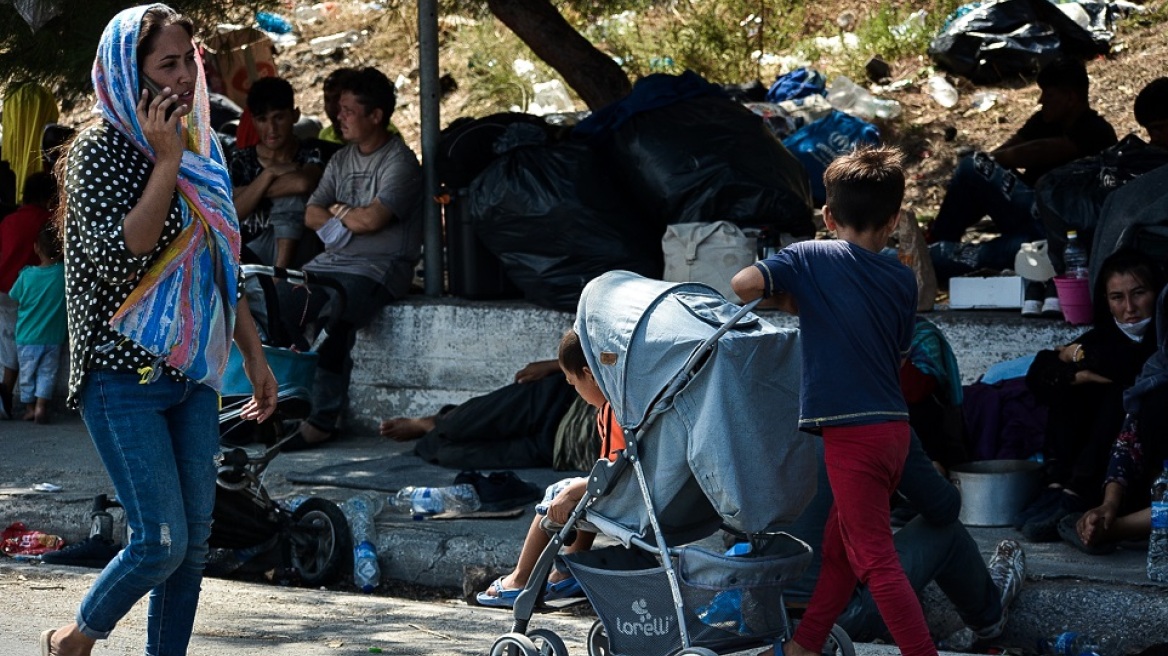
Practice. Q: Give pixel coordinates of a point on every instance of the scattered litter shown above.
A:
(433, 633)
(983, 100)
(47, 487)
(327, 45)
(19, 540)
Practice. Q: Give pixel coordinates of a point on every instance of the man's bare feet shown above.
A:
(30, 413)
(312, 434)
(404, 429)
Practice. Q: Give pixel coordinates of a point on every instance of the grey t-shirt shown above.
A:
(392, 175)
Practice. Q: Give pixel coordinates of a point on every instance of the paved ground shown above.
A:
(1108, 596)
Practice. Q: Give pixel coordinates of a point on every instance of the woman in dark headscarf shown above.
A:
(1083, 383)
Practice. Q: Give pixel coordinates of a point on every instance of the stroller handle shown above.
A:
(298, 278)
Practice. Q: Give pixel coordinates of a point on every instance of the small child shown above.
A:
(41, 330)
(561, 497)
(856, 310)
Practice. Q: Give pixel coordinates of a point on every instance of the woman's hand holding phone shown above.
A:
(158, 114)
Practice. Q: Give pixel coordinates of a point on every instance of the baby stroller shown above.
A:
(308, 544)
(708, 397)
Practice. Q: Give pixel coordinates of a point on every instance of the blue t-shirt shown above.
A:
(856, 314)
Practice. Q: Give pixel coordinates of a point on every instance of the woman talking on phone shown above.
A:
(152, 281)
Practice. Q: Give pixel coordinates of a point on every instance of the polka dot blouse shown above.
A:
(104, 181)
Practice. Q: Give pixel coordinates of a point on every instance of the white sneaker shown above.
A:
(1051, 308)
(1007, 569)
(1032, 300)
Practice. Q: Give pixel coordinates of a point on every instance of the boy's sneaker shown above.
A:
(1032, 300)
(1050, 303)
(1007, 569)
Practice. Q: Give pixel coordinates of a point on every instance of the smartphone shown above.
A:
(153, 90)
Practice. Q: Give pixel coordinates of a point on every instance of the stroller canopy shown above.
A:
(725, 448)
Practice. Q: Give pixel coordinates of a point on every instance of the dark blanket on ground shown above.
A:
(512, 427)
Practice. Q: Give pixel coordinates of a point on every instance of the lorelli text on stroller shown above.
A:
(708, 396)
(252, 534)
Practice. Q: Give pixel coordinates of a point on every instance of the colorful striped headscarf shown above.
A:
(183, 309)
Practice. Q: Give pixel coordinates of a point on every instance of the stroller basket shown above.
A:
(727, 600)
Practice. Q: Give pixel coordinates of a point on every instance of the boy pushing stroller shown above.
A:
(856, 312)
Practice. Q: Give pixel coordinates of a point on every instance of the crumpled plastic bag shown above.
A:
(18, 540)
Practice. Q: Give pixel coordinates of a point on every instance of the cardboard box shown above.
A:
(999, 292)
(239, 58)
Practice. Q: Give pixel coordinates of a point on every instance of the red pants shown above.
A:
(864, 464)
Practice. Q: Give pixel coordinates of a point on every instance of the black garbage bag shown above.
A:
(1006, 38)
(467, 146)
(711, 159)
(556, 218)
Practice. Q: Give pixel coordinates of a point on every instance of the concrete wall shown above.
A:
(421, 354)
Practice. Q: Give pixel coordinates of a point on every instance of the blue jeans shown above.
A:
(928, 552)
(38, 370)
(980, 187)
(158, 443)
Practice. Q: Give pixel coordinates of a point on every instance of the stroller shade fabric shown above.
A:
(725, 446)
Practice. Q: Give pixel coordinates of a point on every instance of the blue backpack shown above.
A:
(817, 144)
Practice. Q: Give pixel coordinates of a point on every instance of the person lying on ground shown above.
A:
(404, 429)
(1139, 449)
(562, 496)
(1083, 384)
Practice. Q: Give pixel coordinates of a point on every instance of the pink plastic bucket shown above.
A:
(1074, 296)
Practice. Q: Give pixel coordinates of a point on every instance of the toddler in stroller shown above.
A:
(252, 534)
(709, 445)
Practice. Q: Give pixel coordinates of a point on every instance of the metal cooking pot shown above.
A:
(993, 491)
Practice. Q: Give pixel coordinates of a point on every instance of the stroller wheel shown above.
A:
(547, 643)
(696, 651)
(514, 644)
(320, 542)
(597, 640)
(839, 643)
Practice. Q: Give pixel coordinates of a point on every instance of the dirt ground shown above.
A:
(1140, 54)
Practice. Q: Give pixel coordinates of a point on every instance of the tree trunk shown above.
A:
(591, 73)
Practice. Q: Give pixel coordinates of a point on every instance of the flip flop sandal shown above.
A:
(1068, 532)
(46, 642)
(502, 597)
(564, 589)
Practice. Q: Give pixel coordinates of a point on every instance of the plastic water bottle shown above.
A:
(849, 97)
(944, 93)
(274, 23)
(1068, 643)
(1158, 540)
(725, 610)
(326, 45)
(1075, 256)
(423, 501)
(360, 511)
